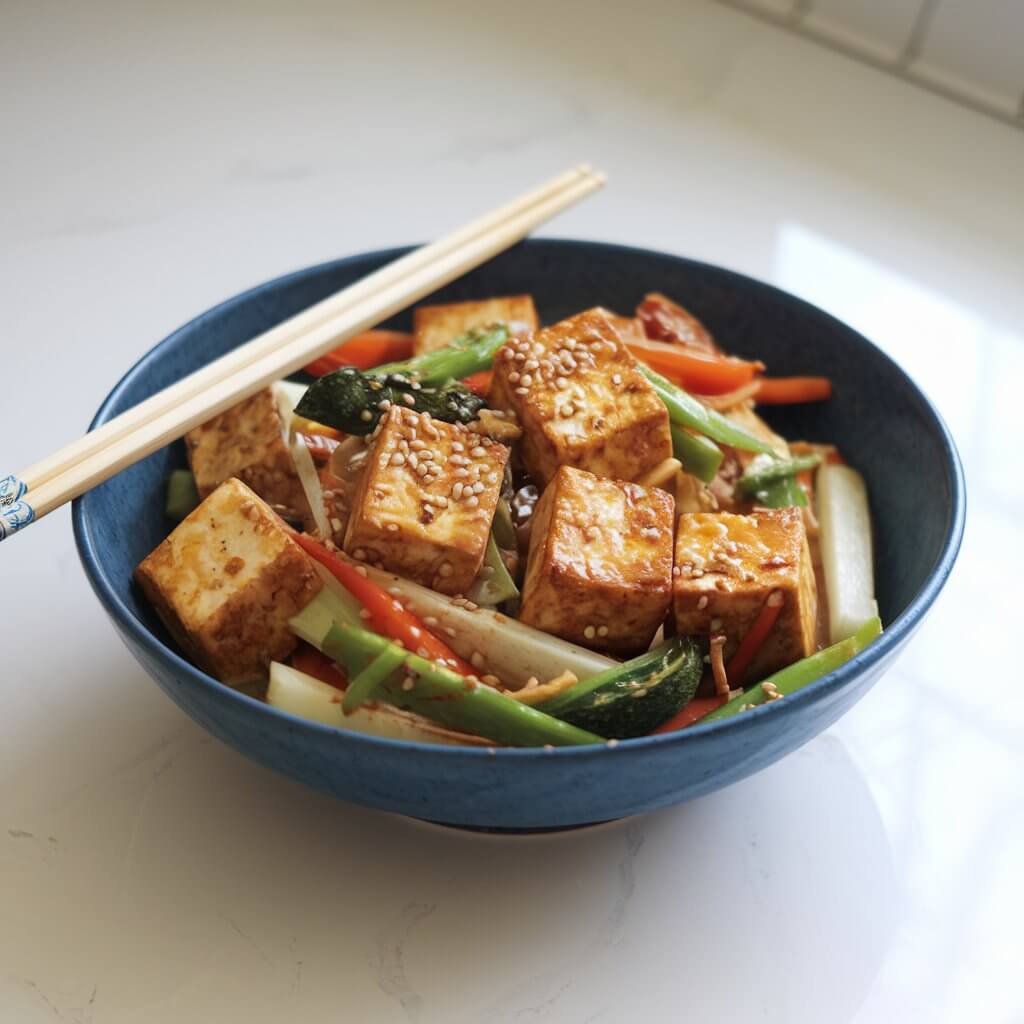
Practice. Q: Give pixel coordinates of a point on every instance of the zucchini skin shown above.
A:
(635, 698)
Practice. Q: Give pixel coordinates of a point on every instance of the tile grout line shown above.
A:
(895, 69)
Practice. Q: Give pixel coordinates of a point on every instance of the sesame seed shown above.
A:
(602, 630)
(336, 524)
(522, 391)
(415, 385)
(567, 411)
(472, 501)
(642, 692)
(445, 569)
(476, 659)
(430, 621)
(703, 602)
(590, 632)
(775, 599)
(461, 472)
(696, 573)
(408, 683)
(361, 569)
(384, 404)
(561, 383)
(449, 631)
(458, 446)
(366, 415)
(676, 570)
(513, 377)
(398, 459)
(490, 680)
(593, 533)
(478, 487)
(526, 380)
(417, 445)
(359, 554)
(423, 652)
(457, 491)
(364, 614)
(421, 469)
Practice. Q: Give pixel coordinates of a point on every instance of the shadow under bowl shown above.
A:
(878, 417)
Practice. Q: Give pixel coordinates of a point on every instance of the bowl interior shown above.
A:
(882, 423)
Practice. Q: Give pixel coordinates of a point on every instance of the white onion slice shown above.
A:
(846, 550)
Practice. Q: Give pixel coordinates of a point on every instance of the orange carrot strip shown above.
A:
(755, 637)
(790, 390)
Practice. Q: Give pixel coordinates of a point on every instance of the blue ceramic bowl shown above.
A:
(883, 423)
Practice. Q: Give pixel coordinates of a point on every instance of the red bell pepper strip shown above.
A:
(665, 320)
(479, 383)
(754, 638)
(388, 616)
(364, 351)
(690, 713)
(306, 658)
(697, 371)
(790, 390)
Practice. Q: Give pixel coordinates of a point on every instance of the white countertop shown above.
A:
(155, 163)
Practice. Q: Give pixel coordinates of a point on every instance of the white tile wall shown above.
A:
(880, 27)
(976, 46)
(971, 50)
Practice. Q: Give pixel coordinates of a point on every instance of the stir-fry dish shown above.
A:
(493, 533)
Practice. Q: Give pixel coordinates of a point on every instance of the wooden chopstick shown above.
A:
(294, 327)
(267, 362)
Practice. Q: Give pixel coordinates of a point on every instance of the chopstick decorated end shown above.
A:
(15, 512)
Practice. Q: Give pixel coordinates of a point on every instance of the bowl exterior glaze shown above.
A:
(883, 423)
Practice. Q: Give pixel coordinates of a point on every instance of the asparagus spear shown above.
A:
(801, 673)
(470, 353)
(438, 693)
(700, 456)
(685, 411)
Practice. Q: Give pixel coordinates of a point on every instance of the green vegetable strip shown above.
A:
(363, 686)
(182, 496)
(759, 475)
(452, 700)
(699, 455)
(782, 493)
(498, 586)
(502, 527)
(464, 356)
(802, 673)
(685, 411)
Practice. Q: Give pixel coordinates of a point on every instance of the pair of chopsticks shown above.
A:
(282, 350)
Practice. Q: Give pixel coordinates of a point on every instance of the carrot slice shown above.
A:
(790, 390)
(690, 713)
(696, 371)
(388, 615)
(364, 351)
(754, 638)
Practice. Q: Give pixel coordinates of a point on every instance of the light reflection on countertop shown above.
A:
(149, 874)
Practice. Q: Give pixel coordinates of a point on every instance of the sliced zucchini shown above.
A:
(635, 697)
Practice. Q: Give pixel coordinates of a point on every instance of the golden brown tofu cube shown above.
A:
(248, 442)
(599, 571)
(726, 567)
(425, 502)
(581, 400)
(226, 582)
(437, 326)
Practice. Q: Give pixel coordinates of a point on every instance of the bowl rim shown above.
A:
(892, 638)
